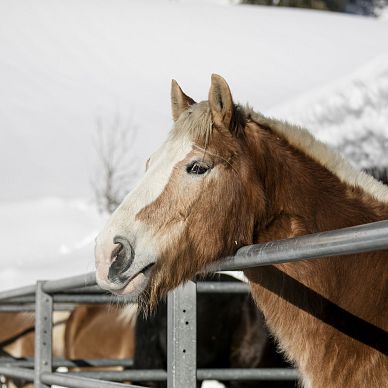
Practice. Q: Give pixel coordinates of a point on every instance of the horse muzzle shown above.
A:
(118, 269)
(122, 258)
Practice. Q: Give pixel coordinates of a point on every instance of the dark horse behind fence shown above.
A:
(231, 333)
(227, 177)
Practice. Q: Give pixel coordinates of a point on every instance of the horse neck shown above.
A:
(311, 199)
(302, 196)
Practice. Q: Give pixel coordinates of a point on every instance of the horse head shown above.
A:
(227, 177)
(198, 200)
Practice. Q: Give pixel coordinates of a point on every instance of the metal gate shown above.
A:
(181, 372)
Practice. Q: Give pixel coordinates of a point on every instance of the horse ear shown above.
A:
(179, 101)
(221, 102)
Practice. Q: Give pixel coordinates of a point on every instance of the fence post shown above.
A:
(43, 334)
(182, 336)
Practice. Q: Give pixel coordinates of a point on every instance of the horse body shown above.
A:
(100, 331)
(17, 337)
(228, 177)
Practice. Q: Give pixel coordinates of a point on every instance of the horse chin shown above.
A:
(135, 287)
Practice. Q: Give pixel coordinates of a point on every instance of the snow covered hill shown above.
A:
(46, 239)
(350, 114)
(63, 65)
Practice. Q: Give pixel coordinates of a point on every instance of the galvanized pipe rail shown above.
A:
(221, 374)
(61, 379)
(79, 382)
(340, 242)
(17, 373)
(68, 363)
(182, 306)
(356, 239)
(11, 307)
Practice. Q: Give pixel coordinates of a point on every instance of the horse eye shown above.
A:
(197, 168)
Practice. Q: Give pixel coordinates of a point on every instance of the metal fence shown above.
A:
(46, 296)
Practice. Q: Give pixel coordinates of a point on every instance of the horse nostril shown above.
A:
(116, 252)
(122, 258)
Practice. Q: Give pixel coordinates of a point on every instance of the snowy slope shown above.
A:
(350, 114)
(64, 64)
(46, 239)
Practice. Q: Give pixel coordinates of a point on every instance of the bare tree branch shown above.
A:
(116, 167)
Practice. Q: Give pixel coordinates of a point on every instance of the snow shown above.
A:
(64, 65)
(383, 14)
(346, 107)
(46, 239)
(350, 114)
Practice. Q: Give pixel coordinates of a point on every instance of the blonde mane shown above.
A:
(303, 140)
(196, 122)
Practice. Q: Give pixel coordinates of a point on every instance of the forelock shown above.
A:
(196, 122)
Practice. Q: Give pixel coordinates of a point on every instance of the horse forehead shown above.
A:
(161, 167)
(172, 151)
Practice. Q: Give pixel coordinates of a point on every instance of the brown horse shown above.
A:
(17, 336)
(17, 333)
(100, 331)
(227, 177)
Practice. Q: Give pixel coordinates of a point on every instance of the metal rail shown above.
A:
(17, 373)
(355, 239)
(346, 241)
(10, 307)
(61, 299)
(248, 374)
(21, 291)
(62, 362)
(74, 298)
(202, 374)
(127, 375)
(181, 309)
(80, 382)
(222, 287)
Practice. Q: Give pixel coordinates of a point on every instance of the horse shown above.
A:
(17, 337)
(231, 333)
(100, 331)
(228, 176)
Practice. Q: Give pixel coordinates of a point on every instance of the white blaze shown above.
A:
(123, 221)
